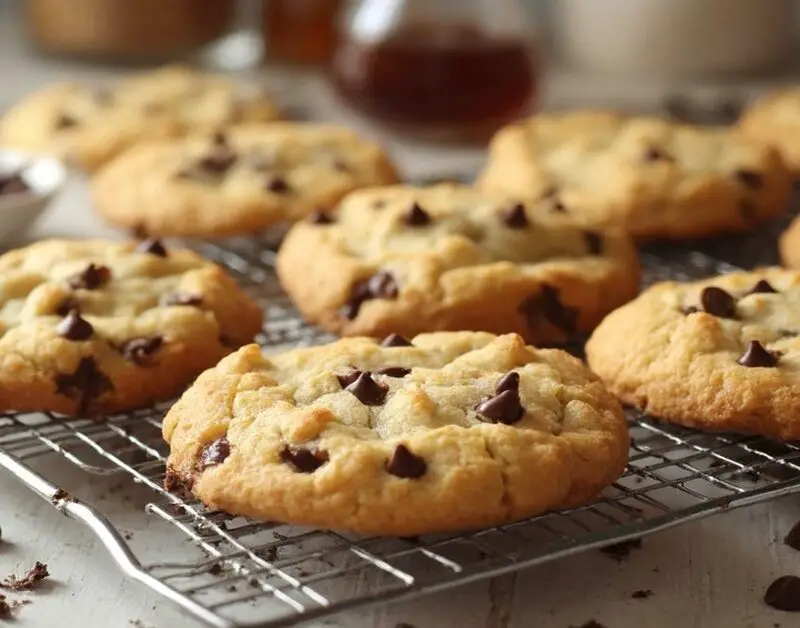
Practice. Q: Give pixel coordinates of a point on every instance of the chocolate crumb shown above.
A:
(592, 623)
(29, 581)
(621, 551)
(215, 569)
(641, 594)
(61, 496)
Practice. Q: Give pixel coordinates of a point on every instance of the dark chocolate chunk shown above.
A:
(91, 278)
(405, 464)
(504, 407)
(277, 185)
(73, 327)
(515, 217)
(415, 216)
(396, 340)
(320, 218)
(140, 350)
(154, 246)
(594, 242)
(784, 594)
(184, 298)
(70, 304)
(718, 302)
(655, 154)
(29, 581)
(65, 121)
(762, 287)
(85, 385)
(367, 390)
(757, 356)
(793, 538)
(381, 285)
(509, 381)
(393, 371)
(215, 453)
(547, 305)
(750, 178)
(303, 459)
(13, 183)
(348, 378)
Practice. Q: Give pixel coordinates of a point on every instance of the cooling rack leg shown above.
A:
(105, 531)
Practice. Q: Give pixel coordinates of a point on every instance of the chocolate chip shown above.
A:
(154, 246)
(85, 385)
(140, 350)
(750, 178)
(655, 154)
(65, 121)
(547, 305)
(320, 218)
(515, 217)
(13, 183)
(219, 139)
(396, 340)
(367, 390)
(381, 285)
(509, 381)
(784, 594)
(762, 287)
(348, 378)
(183, 298)
(404, 464)
(278, 185)
(504, 407)
(394, 371)
(215, 453)
(559, 207)
(718, 302)
(68, 305)
(91, 278)
(73, 327)
(757, 356)
(415, 216)
(304, 460)
(793, 538)
(217, 162)
(594, 242)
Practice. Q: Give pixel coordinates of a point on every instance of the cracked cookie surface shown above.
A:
(449, 431)
(95, 327)
(722, 354)
(411, 260)
(647, 176)
(88, 125)
(243, 180)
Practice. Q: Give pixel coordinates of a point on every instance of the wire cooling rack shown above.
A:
(271, 575)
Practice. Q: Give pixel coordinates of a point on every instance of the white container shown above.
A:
(675, 38)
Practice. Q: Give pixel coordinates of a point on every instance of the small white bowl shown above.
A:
(45, 176)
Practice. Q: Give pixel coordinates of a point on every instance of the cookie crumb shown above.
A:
(61, 496)
(641, 594)
(29, 581)
(621, 551)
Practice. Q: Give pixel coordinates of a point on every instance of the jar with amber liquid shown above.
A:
(438, 68)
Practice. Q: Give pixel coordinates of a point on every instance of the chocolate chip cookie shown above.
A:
(245, 179)
(445, 431)
(647, 176)
(93, 327)
(88, 125)
(775, 119)
(447, 257)
(721, 354)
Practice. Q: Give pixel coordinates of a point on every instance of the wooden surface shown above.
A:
(705, 574)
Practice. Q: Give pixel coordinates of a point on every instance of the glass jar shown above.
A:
(438, 68)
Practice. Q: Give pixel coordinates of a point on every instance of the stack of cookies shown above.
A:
(433, 412)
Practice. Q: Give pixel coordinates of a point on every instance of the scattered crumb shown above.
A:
(137, 623)
(29, 581)
(215, 569)
(621, 551)
(590, 624)
(176, 510)
(403, 624)
(232, 588)
(61, 495)
(128, 536)
(641, 594)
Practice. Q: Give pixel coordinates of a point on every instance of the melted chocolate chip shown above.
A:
(65, 121)
(515, 217)
(750, 178)
(320, 218)
(381, 285)
(184, 298)
(73, 327)
(718, 302)
(394, 371)
(215, 453)
(594, 242)
(277, 185)
(757, 356)
(13, 183)
(655, 154)
(503, 408)
(367, 390)
(547, 305)
(415, 216)
(85, 385)
(140, 350)
(784, 594)
(154, 246)
(396, 340)
(509, 381)
(348, 378)
(68, 305)
(91, 278)
(303, 460)
(405, 464)
(762, 287)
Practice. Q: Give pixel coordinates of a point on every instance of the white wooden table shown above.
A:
(706, 574)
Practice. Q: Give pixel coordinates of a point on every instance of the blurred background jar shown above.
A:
(301, 32)
(438, 68)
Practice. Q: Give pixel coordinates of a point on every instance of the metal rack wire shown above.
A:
(271, 575)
